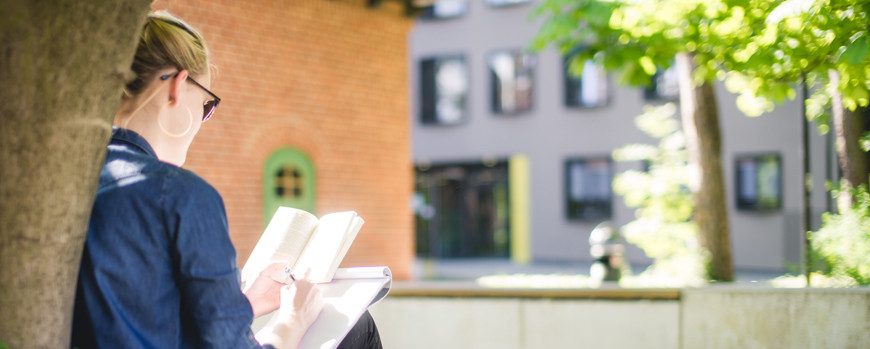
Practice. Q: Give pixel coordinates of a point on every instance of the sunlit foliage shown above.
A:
(762, 48)
(662, 227)
(844, 239)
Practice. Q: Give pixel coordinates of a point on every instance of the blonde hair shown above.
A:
(166, 42)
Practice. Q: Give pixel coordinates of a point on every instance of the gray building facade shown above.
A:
(477, 127)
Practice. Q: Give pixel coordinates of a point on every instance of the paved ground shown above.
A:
(470, 269)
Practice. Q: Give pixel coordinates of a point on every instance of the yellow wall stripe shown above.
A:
(518, 176)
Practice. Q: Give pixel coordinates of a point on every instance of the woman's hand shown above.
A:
(265, 293)
(301, 303)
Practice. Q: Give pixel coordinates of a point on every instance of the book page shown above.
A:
(367, 273)
(355, 226)
(323, 251)
(345, 299)
(362, 273)
(284, 239)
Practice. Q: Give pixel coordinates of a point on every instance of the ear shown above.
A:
(175, 87)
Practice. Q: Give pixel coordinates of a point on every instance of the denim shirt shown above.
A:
(158, 268)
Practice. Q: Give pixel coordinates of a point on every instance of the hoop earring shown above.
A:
(178, 135)
(135, 111)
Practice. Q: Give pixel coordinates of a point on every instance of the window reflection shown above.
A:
(496, 3)
(444, 90)
(759, 182)
(445, 9)
(588, 188)
(588, 90)
(664, 85)
(511, 73)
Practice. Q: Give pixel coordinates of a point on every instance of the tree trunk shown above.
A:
(62, 66)
(849, 125)
(700, 116)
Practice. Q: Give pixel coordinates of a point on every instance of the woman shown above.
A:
(158, 268)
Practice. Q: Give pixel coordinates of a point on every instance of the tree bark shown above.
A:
(849, 125)
(700, 117)
(62, 66)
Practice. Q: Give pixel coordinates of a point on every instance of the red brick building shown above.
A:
(317, 80)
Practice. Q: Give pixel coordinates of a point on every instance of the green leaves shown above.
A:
(553, 30)
(771, 43)
(856, 52)
(730, 25)
(844, 240)
(647, 64)
(817, 106)
(865, 142)
(597, 13)
(630, 37)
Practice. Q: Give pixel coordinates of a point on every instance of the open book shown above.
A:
(350, 293)
(305, 241)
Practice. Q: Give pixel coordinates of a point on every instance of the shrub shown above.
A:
(663, 228)
(844, 239)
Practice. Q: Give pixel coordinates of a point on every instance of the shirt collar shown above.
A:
(125, 136)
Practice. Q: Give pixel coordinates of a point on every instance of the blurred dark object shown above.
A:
(606, 246)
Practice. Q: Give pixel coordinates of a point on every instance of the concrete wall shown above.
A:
(715, 317)
(526, 323)
(762, 318)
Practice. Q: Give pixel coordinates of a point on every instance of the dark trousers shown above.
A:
(364, 335)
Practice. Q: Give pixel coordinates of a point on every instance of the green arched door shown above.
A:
(288, 180)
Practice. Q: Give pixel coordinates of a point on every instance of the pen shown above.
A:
(289, 274)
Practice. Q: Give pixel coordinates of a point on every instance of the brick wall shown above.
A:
(327, 77)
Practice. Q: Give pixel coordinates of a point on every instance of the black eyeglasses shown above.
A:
(210, 105)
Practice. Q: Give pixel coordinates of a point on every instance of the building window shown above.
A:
(511, 73)
(588, 188)
(590, 89)
(664, 85)
(288, 180)
(462, 210)
(442, 9)
(499, 3)
(443, 90)
(759, 182)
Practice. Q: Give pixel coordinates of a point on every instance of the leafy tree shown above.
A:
(763, 50)
(824, 46)
(62, 68)
(639, 37)
(820, 43)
